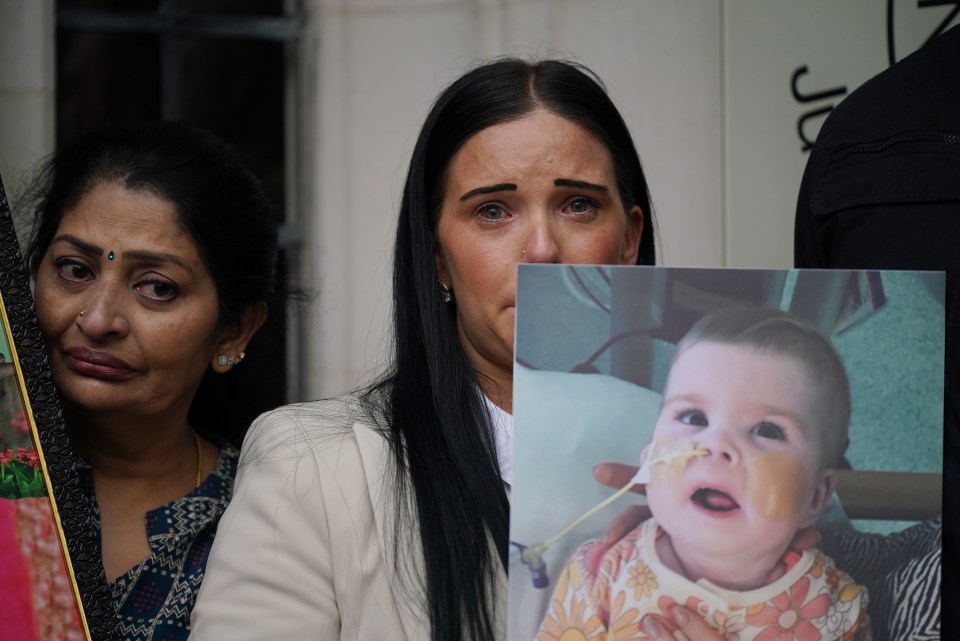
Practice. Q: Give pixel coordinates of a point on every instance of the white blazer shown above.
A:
(306, 548)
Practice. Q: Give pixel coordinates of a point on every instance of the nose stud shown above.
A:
(80, 314)
(523, 254)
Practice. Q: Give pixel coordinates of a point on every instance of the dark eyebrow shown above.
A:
(158, 257)
(579, 184)
(488, 190)
(95, 250)
(82, 245)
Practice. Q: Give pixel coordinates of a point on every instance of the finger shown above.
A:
(695, 628)
(594, 555)
(616, 475)
(625, 522)
(655, 629)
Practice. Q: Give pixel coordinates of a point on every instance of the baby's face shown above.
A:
(759, 477)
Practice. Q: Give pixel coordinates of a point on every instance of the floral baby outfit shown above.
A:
(812, 601)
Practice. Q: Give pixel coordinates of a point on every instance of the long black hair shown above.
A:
(430, 404)
(219, 202)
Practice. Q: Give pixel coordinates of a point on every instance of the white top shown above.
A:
(306, 549)
(503, 438)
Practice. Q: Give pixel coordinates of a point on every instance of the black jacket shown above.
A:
(881, 190)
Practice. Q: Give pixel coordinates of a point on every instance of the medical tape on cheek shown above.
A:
(776, 485)
(671, 460)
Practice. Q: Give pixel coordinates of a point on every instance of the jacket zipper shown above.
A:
(952, 139)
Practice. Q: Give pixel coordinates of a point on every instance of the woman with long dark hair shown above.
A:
(153, 256)
(384, 514)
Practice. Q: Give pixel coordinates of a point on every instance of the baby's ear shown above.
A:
(821, 496)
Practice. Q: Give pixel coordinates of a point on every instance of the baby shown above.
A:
(754, 418)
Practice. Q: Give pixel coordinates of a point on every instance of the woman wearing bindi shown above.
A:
(153, 260)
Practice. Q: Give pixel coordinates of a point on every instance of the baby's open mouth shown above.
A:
(714, 500)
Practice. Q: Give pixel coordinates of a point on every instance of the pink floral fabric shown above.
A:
(36, 594)
(813, 601)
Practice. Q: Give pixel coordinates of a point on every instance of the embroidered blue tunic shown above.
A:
(154, 598)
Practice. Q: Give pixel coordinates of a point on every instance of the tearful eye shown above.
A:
(580, 206)
(770, 430)
(692, 417)
(491, 212)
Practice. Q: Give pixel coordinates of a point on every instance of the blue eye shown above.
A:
(692, 417)
(770, 430)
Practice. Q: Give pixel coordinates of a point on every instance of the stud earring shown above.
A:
(445, 293)
(523, 254)
(228, 360)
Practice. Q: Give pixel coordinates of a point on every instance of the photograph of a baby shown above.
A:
(772, 440)
(753, 422)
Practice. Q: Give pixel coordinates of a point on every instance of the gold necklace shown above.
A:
(196, 438)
